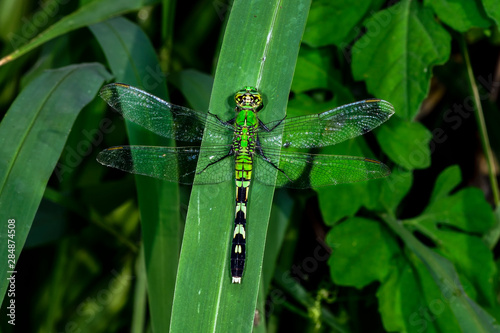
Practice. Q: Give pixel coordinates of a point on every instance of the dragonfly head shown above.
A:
(249, 97)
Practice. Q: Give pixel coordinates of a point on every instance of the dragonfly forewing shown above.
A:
(327, 128)
(164, 118)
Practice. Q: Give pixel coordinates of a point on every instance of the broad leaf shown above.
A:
(446, 182)
(344, 200)
(492, 9)
(358, 244)
(406, 143)
(395, 59)
(389, 192)
(461, 15)
(340, 17)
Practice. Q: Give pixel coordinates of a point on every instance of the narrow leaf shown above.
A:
(32, 137)
(133, 61)
(93, 12)
(260, 49)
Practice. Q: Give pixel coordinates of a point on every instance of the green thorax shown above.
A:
(248, 103)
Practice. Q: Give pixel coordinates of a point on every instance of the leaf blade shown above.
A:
(33, 133)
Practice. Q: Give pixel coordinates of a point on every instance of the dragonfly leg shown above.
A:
(265, 158)
(229, 122)
(267, 129)
(231, 152)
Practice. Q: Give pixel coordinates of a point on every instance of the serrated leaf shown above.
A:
(446, 221)
(461, 15)
(395, 59)
(358, 243)
(466, 210)
(469, 316)
(406, 143)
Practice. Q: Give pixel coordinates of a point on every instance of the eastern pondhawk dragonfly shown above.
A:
(234, 148)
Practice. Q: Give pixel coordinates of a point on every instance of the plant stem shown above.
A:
(481, 124)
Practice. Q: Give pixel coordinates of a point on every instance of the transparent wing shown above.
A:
(302, 170)
(330, 127)
(163, 118)
(175, 164)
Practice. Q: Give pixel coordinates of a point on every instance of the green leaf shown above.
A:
(410, 301)
(466, 210)
(195, 86)
(281, 214)
(340, 17)
(11, 14)
(470, 317)
(446, 182)
(435, 301)
(470, 255)
(399, 297)
(348, 198)
(313, 70)
(406, 143)
(395, 58)
(107, 318)
(363, 242)
(93, 12)
(492, 9)
(32, 137)
(492, 236)
(140, 295)
(133, 61)
(303, 104)
(337, 202)
(461, 15)
(260, 53)
(447, 221)
(389, 192)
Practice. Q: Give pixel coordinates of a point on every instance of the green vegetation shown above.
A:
(104, 251)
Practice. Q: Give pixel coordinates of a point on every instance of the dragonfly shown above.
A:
(244, 149)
